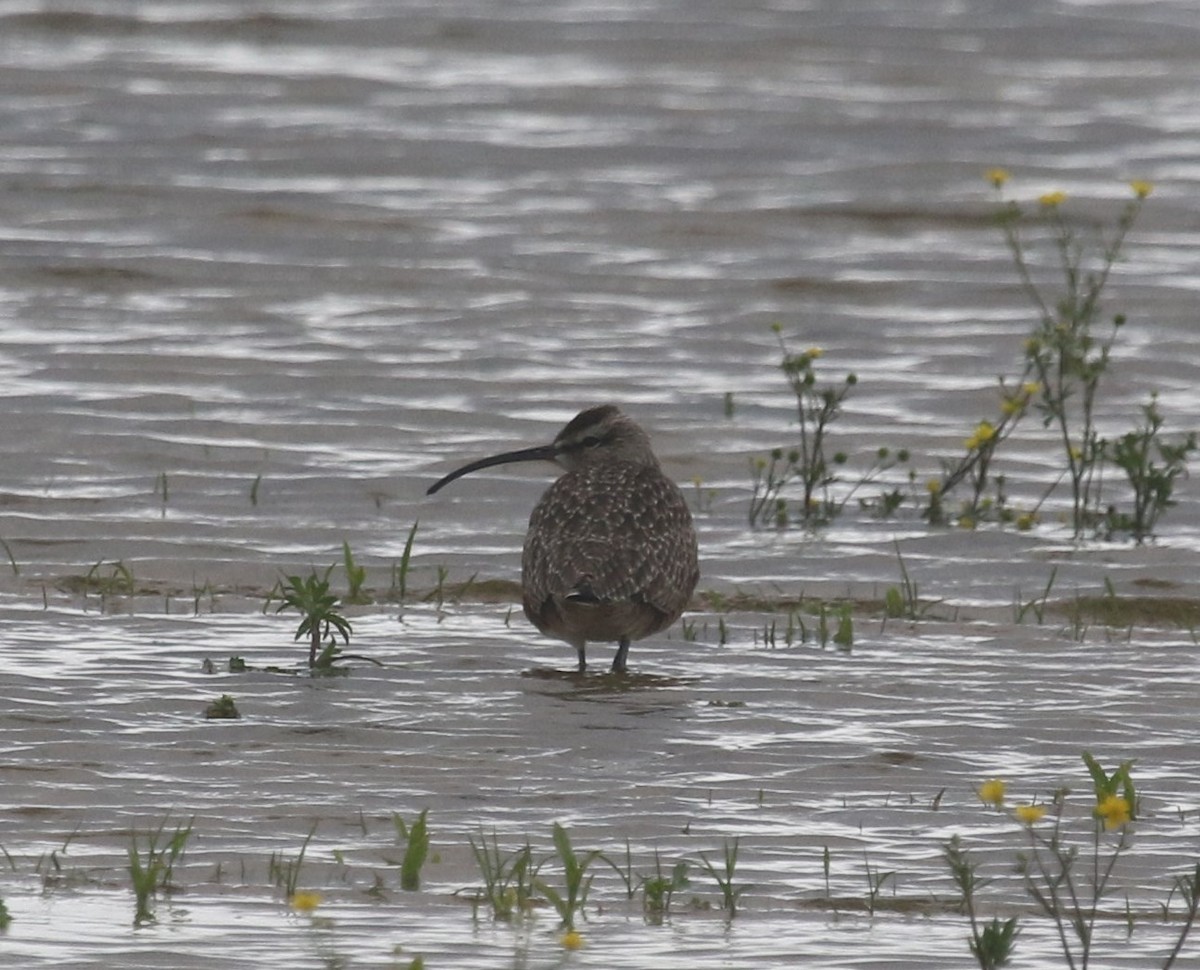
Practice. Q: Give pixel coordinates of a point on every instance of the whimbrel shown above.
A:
(610, 554)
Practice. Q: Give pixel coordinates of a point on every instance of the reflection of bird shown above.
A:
(611, 553)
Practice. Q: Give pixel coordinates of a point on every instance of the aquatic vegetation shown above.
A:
(285, 872)
(809, 464)
(1152, 484)
(731, 892)
(1038, 604)
(152, 872)
(356, 575)
(5, 917)
(1065, 361)
(904, 601)
(320, 619)
(660, 888)
(222, 708)
(576, 882)
(508, 880)
(1067, 877)
(876, 878)
(990, 943)
(415, 838)
(400, 570)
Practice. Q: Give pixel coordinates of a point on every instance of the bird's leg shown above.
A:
(622, 652)
(581, 650)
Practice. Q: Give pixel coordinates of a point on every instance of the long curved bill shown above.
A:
(540, 453)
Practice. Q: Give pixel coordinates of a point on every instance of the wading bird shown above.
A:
(610, 554)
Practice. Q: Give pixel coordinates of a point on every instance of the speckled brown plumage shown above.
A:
(610, 554)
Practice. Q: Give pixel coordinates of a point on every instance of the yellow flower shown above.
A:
(991, 792)
(305, 900)
(1025, 521)
(1031, 388)
(1114, 810)
(1010, 406)
(813, 353)
(1141, 188)
(1028, 814)
(983, 433)
(1076, 452)
(933, 486)
(1052, 200)
(997, 176)
(571, 939)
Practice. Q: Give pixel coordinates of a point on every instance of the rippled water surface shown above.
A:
(270, 270)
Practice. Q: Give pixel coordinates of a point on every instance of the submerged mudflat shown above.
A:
(269, 276)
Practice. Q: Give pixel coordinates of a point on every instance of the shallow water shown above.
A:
(268, 274)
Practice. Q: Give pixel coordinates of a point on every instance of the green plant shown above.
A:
(286, 872)
(1068, 878)
(5, 917)
(843, 636)
(658, 889)
(875, 880)
(400, 570)
(576, 882)
(1152, 483)
(1038, 604)
(1068, 354)
(508, 880)
(625, 872)
(817, 407)
(223, 708)
(119, 582)
(153, 872)
(974, 466)
(416, 848)
(356, 575)
(320, 620)
(731, 892)
(991, 944)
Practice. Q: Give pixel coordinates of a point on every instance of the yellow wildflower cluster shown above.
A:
(1114, 810)
(1029, 814)
(571, 940)
(983, 433)
(1052, 200)
(305, 900)
(1141, 188)
(991, 792)
(997, 176)
(1018, 400)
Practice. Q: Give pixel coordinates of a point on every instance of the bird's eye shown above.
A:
(590, 441)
